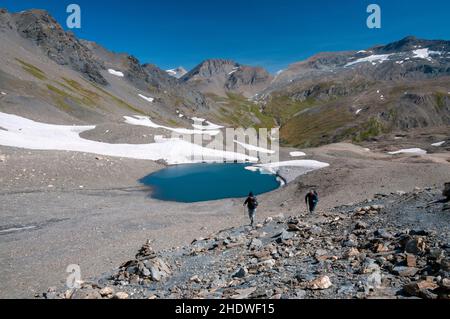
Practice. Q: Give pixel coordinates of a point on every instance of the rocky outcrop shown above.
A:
(60, 46)
(219, 76)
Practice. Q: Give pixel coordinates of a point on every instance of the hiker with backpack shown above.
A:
(252, 204)
(311, 200)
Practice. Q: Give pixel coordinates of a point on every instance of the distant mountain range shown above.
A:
(48, 74)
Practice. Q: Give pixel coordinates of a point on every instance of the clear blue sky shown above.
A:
(269, 33)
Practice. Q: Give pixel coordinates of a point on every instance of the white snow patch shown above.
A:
(438, 144)
(372, 58)
(254, 148)
(414, 151)
(362, 51)
(358, 111)
(148, 99)
(297, 154)
(425, 54)
(233, 71)
(180, 115)
(208, 127)
(272, 168)
(116, 73)
(14, 229)
(198, 119)
(3, 93)
(145, 121)
(24, 133)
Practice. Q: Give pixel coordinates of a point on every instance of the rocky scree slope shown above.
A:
(393, 246)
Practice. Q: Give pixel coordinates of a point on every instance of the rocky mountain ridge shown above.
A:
(330, 97)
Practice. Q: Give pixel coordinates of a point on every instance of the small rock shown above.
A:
(320, 283)
(361, 225)
(405, 271)
(255, 244)
(155, 274)
(107, 291)
(267, 264)
(195, 279)
(411, 260)
(383, 233)
(300, 294)
(373, 281)
(121, 295)
(352, 241)
(351, 252)
(445, 283)
(87, 293)
(243, 293)
(369, 266)
(241, 273)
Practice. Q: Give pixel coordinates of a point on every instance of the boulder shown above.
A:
(421, 289)
(415, 246)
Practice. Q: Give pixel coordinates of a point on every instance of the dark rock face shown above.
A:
(60, 46)
(210, 68)
(216, 75)
(92, 60)
(247, 76)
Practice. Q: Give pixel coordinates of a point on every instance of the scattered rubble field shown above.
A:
(393, 246)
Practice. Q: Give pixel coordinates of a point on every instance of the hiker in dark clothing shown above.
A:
(311, 200)
(252, 204)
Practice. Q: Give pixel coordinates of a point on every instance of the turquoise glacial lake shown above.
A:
(205, 182)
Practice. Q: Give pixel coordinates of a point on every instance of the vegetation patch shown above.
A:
(119, 101)
(440, 100)
(31, 69)
(240, 112)
(283, 107)
(372, 128)
(314, 128)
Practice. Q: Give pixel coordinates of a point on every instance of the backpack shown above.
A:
(254, 202)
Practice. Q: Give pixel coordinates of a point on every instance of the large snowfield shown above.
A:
(24, 133)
